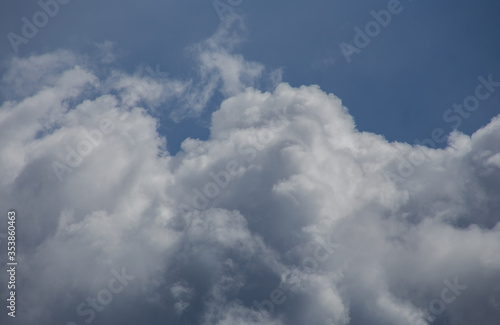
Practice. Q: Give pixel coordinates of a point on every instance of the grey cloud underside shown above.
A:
(350, 228)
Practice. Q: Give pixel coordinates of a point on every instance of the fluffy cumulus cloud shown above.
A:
(287, 214)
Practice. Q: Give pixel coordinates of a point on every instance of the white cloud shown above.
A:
(287, 169)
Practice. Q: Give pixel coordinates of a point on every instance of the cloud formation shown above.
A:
(287, 214)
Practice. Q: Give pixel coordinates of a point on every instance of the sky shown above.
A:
(245, 162)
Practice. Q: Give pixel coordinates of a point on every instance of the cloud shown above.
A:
(208, 234)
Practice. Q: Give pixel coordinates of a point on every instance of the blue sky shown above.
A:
(238, 162)
(426, 59)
